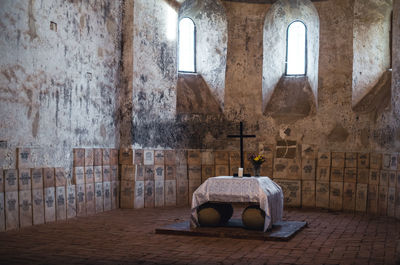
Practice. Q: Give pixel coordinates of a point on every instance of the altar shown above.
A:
(259, 190)
(227, 190)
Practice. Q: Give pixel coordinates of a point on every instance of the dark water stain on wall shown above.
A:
(106, 10)
(384, 137)
(165, 60)
(186, 131)
(35, 124)
(57, 106)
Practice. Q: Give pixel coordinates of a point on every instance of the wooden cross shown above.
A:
(241, 136)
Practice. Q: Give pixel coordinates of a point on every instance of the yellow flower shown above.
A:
(256, 159)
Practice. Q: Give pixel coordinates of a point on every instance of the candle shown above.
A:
(240, 173)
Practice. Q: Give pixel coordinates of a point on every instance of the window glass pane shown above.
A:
(296, 50)
(186, 45)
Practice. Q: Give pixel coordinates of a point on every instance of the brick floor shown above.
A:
(127, 237)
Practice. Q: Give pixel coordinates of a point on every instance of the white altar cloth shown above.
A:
(260, 190)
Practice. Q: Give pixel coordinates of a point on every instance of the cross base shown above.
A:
(244, 175)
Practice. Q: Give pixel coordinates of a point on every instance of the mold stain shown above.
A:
(143, 79)
(87, 97)
(103, 131)
(57, 106)
(106, 10)
(79, 131)
(88, 24)
(384, 136)
(165, 60)
(35, 125)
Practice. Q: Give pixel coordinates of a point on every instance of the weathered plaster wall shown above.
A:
(277, 20)
(126, 90)
(154, 69)
(291, 100)
(244, 64)
(211, 42)
(334, 119)
(333, 126)
(59, 89)
(156, 122)
(387, 130)
(371, 58)
(58, 86)
(396, 59)
(194, 96)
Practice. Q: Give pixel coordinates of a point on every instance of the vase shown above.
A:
(257, 170)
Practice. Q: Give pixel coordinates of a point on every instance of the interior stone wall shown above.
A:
(277, 20)
(333, 126)
(62, 87)
(59, 77)
(211, 42)
(154, 73)
(243, 93)
(372, 22)
(396, 59)
(125, 111)
(59, 88)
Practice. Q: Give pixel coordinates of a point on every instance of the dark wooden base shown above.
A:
(244, 175)
(281, 231)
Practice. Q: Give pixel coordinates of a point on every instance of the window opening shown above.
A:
(187, 46)
(296, 49)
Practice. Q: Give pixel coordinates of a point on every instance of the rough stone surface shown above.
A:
(291, 100)
(377, 100)
(371, 45)
(154, 70)
(59, 75)
(194, 96)
(278, 18)
(209, 17)
(154, 105)
(396, 62)
(79, 74)
(245, 59)
(125, 111)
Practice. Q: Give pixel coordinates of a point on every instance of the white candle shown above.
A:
(240, 173)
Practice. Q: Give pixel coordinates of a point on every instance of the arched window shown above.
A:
(296, 49)
(187, 46)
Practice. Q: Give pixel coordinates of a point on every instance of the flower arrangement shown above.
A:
(256, 160)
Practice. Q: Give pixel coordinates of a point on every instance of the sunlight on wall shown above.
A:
(172, 18)
(296, 50)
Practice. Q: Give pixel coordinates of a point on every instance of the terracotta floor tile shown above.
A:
(127, 237)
